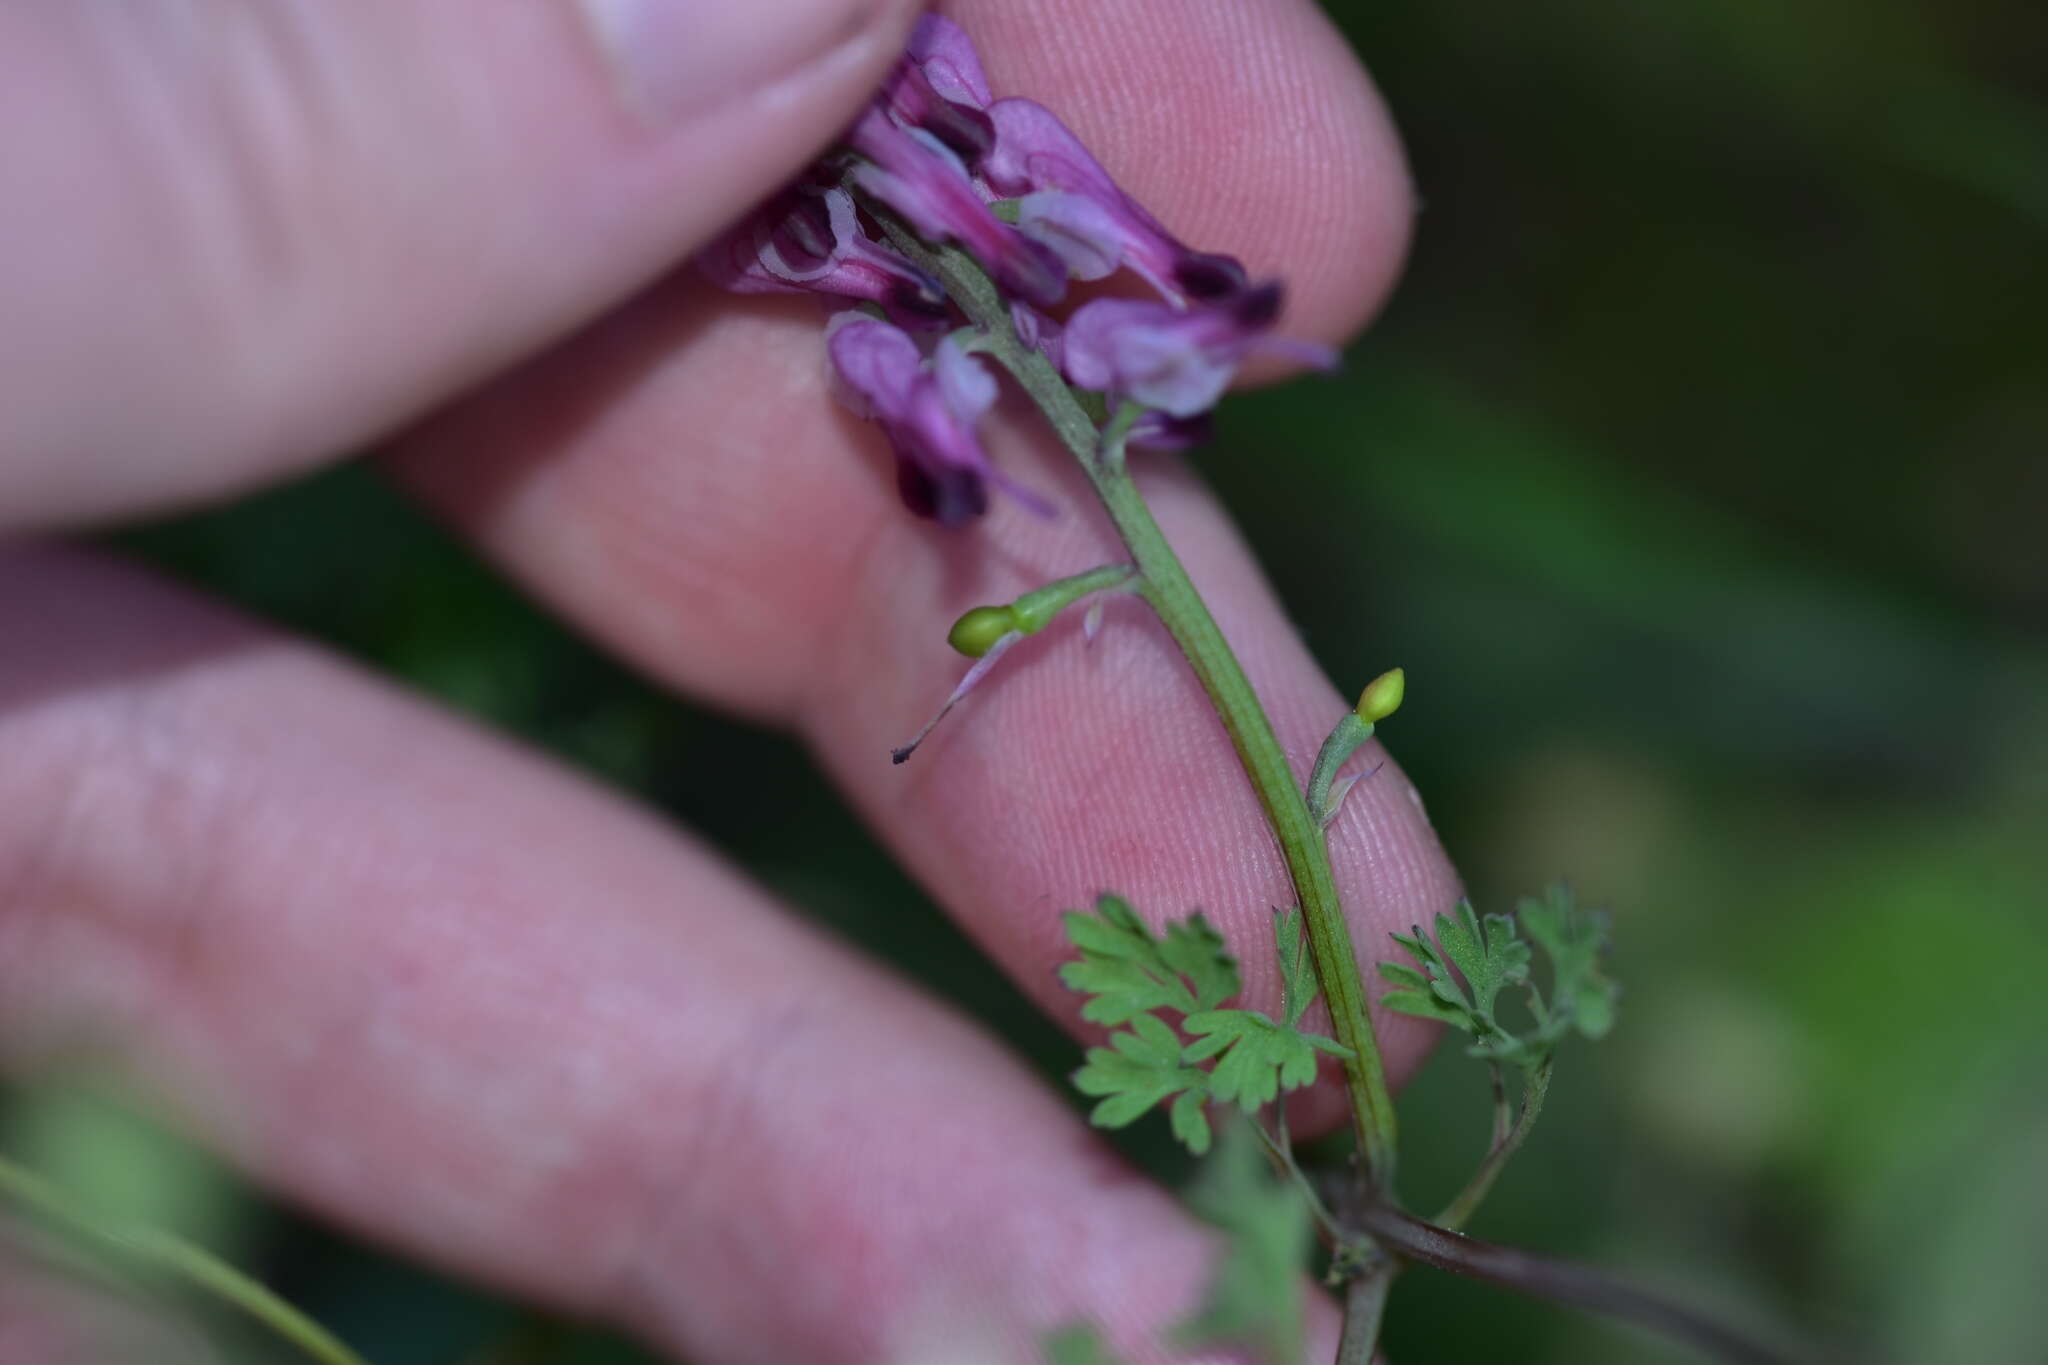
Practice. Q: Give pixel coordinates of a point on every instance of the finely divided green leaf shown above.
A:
(1129, 973)
(1134, 976)
(1257, 1058)
(1126, 970)
(1191, 1121)
(1462, 974)
(1459, 977)
(1140, 1068)
(1487, 955)
(1130, 1091)
(1582, 997)
(1194, 949)
(1433, 992)
(1414, 996)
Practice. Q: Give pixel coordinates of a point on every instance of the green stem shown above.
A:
(1365, 1302)
(1166, 586)
(1281, 1154)
(1503, 1115)
(180, 1260)
(1186, 617)
(1036, 609)
(1506, 1142)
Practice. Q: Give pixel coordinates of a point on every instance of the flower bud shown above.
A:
(1382, 696)
(976, 633)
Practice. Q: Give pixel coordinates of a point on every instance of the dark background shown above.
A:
(1696, 476)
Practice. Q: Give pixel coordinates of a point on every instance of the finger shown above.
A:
(681, 482)
(463, 1002)
(244, 234)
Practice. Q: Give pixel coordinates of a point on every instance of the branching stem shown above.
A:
(1166, 587)
(1577, 1286)
(1281, 1153)
(1507, 1140)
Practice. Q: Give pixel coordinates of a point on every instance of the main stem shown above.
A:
(1166, 586)
(1186, 617)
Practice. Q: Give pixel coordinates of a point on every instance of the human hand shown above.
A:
(449, 995)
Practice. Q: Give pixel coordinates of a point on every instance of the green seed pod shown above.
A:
(976, 633)
(1382, 696)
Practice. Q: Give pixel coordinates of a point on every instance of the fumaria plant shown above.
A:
(948, 229)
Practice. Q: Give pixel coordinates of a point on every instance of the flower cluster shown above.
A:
(1010, 184)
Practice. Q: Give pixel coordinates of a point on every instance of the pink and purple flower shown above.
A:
(930, 407)
(1015, 188)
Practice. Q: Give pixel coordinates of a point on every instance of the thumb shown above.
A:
(240, 235)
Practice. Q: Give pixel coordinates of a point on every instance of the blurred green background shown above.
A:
(1696, 475)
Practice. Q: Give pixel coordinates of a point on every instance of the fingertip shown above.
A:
(1351, 232)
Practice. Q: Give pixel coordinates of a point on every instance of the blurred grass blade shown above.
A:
(178, 1259)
